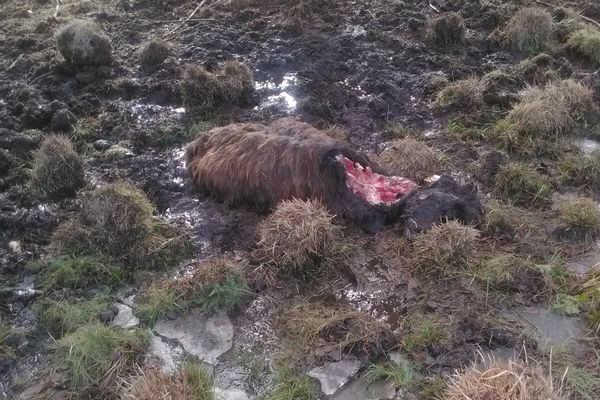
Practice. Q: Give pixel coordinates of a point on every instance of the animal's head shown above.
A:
(444, 200)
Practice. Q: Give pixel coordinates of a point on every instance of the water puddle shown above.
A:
(381, 305)
(278, 95)
(142, 111)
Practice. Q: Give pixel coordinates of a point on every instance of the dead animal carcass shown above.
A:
(261, 165)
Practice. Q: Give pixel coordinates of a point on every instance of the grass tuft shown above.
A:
(154, 52)
(531, 30)
(446, 29)
(57, 168)
(95, 355)
(410, 158)
(423, 332)
(216, 284)
(586, 41)
(61, 318)
(79, 272)
(501, 379)
(298, 233)
(116, 222)
(579, 169)
(204, 91)
(445, 248)
(400, 375)
(521, 184)
(292, 387)
(581, 215)
(82, 43)
(466, 94)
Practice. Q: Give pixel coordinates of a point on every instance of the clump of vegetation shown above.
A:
(423, 331)
(82, 43)
(464, 131)
(586, 41)
(581, 215)
(580, 169)
(116, 222)
(7, 353)
(154, 52)
(61, 317)
(410, 158)
(85, 130)
(312, 324)
(589, 294)
(465, 94)
(445, 248)
(522, 185)
(508, 272)
(582, 382)
(399, 374)
(57, 168)
(446, 29)
(551, 110)
(398, 131)
(216, 284)
(502, 219)
(205, 91)
(293, 387)
(565, 304)
(94, 356)
(531, 29)
(298, 233)
(78, 272)
(503, 380)
(192, 382)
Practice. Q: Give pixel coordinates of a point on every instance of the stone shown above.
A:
(102, 145)
(205, 338)
(162, 355)
(125, 317)
(118, 152)
(335, 375)
(230, 394)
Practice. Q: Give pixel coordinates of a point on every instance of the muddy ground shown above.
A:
(360, 65)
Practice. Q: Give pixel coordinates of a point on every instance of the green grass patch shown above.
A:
(521, 184)
(61, 317)
(579, 169)
(424, 331)
(565, 304)
(79, 272)
(292, 387)
(586, 42)
(400, 375)
(217, 284)
(198, 381)
(96, 354)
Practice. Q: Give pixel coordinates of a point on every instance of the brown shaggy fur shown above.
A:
(263, 165)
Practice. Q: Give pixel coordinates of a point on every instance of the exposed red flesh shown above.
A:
(372, 187)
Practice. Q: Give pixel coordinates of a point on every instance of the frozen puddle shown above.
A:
(587, 146)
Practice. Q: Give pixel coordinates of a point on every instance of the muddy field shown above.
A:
(493, 92)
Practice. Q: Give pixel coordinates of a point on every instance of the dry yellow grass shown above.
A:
(503, 380)
(552, 109)
(444, 248)
(297, 233)
(531, 29)
(410, 158)
(464, 94)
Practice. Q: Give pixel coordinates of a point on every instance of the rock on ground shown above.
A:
(335, 375)
(205, 338)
